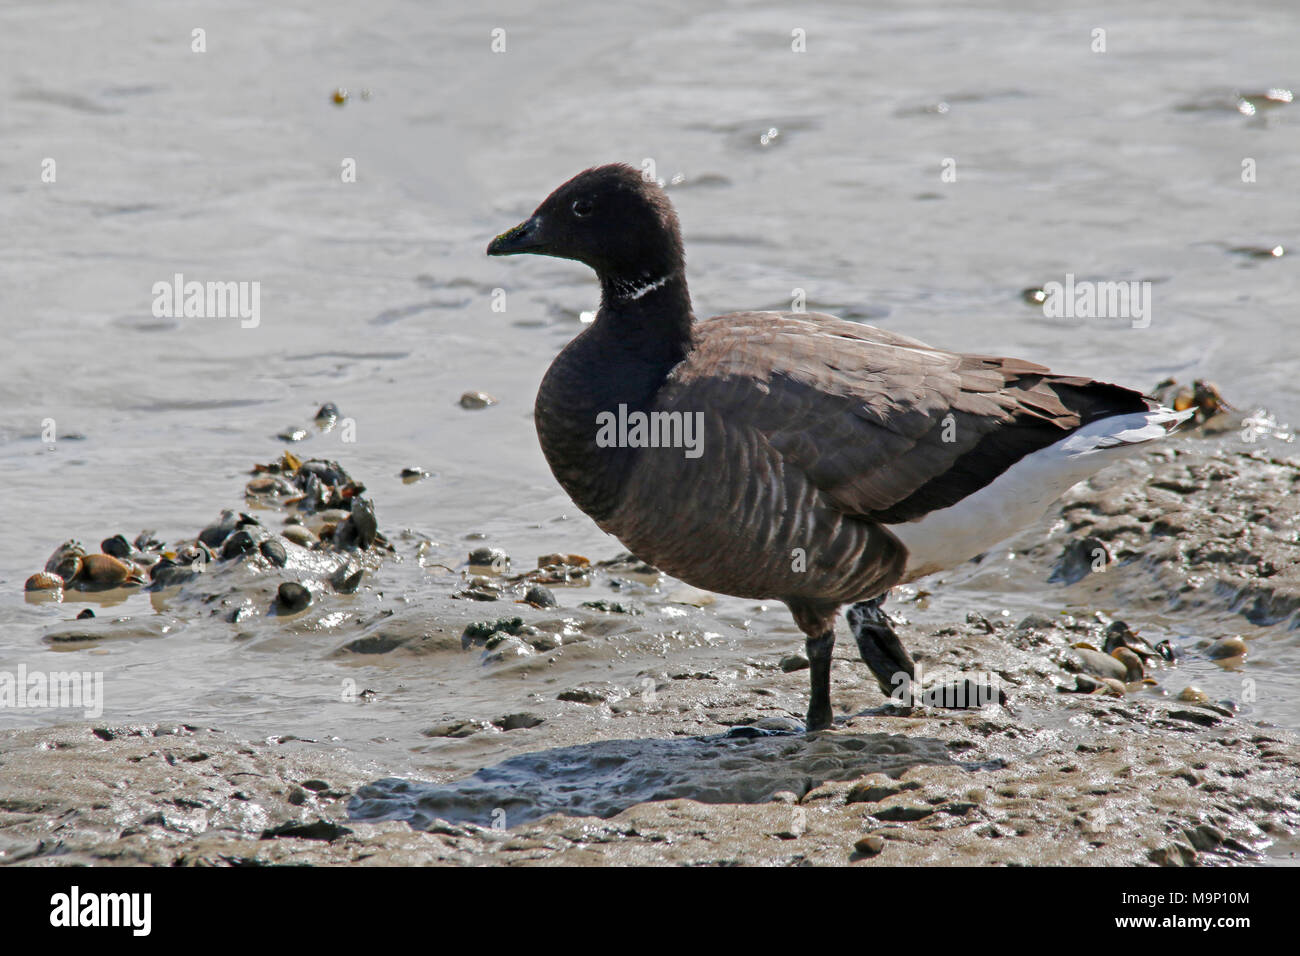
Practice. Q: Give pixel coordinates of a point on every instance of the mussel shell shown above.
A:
(145, 541)
(168, 573)
(117, 546)
(63, 554)
(329, 472)
(217, 532)
(106, 571)
(363, 520)
(239, 543)
(346, 580)
(274, 552)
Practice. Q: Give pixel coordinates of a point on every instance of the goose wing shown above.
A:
(886, 427)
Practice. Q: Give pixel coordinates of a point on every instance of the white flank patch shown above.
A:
(1022, 494)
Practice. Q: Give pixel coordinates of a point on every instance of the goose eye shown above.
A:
(582, 208)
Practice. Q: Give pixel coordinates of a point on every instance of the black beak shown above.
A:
(525, 237)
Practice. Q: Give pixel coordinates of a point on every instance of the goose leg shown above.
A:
(880, 647)
(819, 698)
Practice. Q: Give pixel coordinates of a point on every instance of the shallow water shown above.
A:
(376, 295)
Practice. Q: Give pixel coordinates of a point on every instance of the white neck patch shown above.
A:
(636, 292)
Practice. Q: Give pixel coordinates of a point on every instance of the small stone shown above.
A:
(1079, 558)
(475, 400)
(612, 607)
(481, 630)
(539, 596)
(85, 614)
(870, 845)
(779, 725)
(491, 558)
(1226, 648)
(903, 813)
(1205, 837)
(795, 662)
(292, 597)
(1193, 695)
(517, 721)
(300, 535)
(579, 695)
(876, 788)
(453, 728)
(546, 642)
(507, 649)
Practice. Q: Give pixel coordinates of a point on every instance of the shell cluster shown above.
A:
(321, 491)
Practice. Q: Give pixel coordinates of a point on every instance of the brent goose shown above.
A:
(788, 455)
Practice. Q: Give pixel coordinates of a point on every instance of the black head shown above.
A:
(609, 218)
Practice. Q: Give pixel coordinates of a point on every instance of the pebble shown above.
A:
(292, 597)
(795, 662)
(517, 721)
(85, 614)
(546, 642)
(1079, 558)
(566, 560)
(507, 649)
(877, 788)
(493, 558)
(1094, 662)
(1193, 695)
(474, 400)
(481, 630)
(779, 725)
(870, 845)
(268, 485)
(1226, 648)
(539, 596)
(300, 535)
(612, 607)
(580, 695)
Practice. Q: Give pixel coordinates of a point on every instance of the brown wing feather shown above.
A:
(863, 413)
